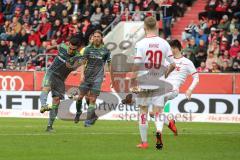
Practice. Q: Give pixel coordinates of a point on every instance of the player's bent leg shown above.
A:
(171, 122)
(143, 127)
(43, 99)
(91, 115)
(53, 113)
(78, 108)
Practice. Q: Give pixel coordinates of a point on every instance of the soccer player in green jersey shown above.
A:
(96, 55)
(67, 60)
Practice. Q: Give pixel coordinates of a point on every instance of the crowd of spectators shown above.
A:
(32, 27)
(212, 43)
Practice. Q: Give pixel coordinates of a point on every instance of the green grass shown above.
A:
(25, 139)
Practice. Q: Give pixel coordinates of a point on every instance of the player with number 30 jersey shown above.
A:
(150, 55)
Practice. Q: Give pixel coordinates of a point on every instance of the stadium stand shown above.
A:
(32, 27)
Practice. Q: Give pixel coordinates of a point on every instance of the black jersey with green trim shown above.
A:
(58, 66)
(96, 59)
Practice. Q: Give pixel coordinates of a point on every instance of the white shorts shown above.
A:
(145, 99)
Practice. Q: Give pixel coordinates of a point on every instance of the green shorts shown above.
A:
(55, 83)
(93, 87)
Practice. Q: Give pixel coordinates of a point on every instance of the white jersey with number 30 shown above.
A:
(152, 52)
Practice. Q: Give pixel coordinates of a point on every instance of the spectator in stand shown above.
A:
(58, 8)
(137, 15)
(226, 67)
(35, 17)
(210, 60)
(43, 48)
(234, 6)
(126, 4)
(77, 6)
(68, 5)
(40, 4)
(116, 7)
(233, 25)
(237, 59)
(18, 6)
(126, 16)
(53, 17)
(224, 45)
(214, 47)
(235, 48)
(56, 27)
(190, 31)
(11, 58)
(189, 54)
(21, 59)
(215, 68)
(87, 30)
(26, 17)
(236, 67)
(22, 37)
(199, 57)
(106, 4)
(192, 46)
(221, 8)
(213, 35)
(224, 23)
(201, 46)
(201, 36)
(106, 19)
(4, 49)
(30, 5)
(202, 67)
(35, 37)
(234, 36)
(66, 16)
(44, 29)
(166, 6)
(5, 30)
(224, 57)
(15, 27)
(96, 18)
(31, 47)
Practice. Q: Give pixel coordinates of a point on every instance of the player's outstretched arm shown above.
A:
(193, 85)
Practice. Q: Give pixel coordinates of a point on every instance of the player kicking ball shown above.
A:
(150, 53)
(67, 60)
(184, 68)
(96, 55)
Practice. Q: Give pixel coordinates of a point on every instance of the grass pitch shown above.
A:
(25, 139)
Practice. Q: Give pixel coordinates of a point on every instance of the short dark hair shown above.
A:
(176, 44)
(75, 41)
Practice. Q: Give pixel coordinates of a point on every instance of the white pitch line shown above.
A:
(111, 133)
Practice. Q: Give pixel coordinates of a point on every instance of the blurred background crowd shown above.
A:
(34, 27)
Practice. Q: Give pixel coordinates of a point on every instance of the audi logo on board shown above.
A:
(11, 83)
